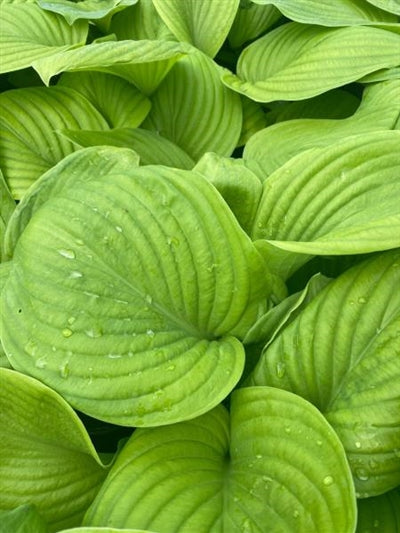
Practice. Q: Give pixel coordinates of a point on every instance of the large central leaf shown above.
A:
(127, 303)
(273, 465)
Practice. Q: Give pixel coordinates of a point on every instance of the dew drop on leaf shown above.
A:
(118, 228)
(64, 370)
(327, 481)
(362, 300)
(362, 474)
(68, 254)
(75, 274)
(357, 444)
(41, 362)
(280, 369)
(66, 332)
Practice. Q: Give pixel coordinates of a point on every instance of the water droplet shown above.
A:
(114, 356)
(150, 333)
(68, 254)
(41, 362)
(288, 429)
(236, 499)
(149, 299)
(362, 300)
(296, 513)
(362, 474)
(376, 523)
(327, 481)
(319, 442)
(259, 456)
(212, 267)
(75, 274)
(171, 368)
(373, 464)
(246, 526)
(66, 332)
(357, 444)
(92, 295)
(79, 242)
(172, 241)
(31, 347)
(118, 228)
(53, 349)
(71, 320)
(64, 370)
(94, 332)
(280, 369)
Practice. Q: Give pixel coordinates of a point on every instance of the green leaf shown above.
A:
(137, 320)
(153, 149)
(203, 24)
(47, 457)
(193, 109)
(85, 9)
(238, 185)
(250, 22)
(82, 166)
(341, 354)
(381, 75)
(7, 206)
(102, 529)
(28, 120)
(323, 201)
(254, 120)
(23, 519)
(297, 61)
(328, 13)
(380, 513)
(393, 6)
(244, 472)
(143, 63)
(28, 33)
(140, 21)
(273, 146)
(120, 103)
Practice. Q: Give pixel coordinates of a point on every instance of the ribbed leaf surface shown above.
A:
(204, 24)
(85, 9)
(381, 513)
(28, 119)
(341, 353)
(195, 110)
(251, 21)
(47, 458)
(135, 323)
(28, 33)
(393, 6)
(23, 519)
(243, 474)
(297, 61)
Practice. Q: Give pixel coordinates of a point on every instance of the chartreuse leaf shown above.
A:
(120, 103)
(47, 458)
(297, 61)
(273, 464)
(393, 6)
(23, 519)
(381, 75)
(28, 33)
(324, 202)
(195, 110)
(149, 280)
(28, 120)
(341, 354)
(140, 21)
(238, 185)
(7, 206)
(328, 13)
(254, 119)
(5, 269)
(153, 149)
(380, 513)
(144, 63)
(103, 530)
(82, 166)
(203, 24)
(273, 146)
(251, 21)
(85, 9)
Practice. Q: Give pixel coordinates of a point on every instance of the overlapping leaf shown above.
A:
(28, 33)
(144, 63)
(393, 6)
(28, 119)
(80, 166)
(328, 13)
(251, 21)
(226, 474)
(103, 530)
(7, 206)
(23, 519)
(152, 148)
(203, 24)
(47, 458)
(380, 513)
(342, 354)
(324, 201)
(273, 146)
(86, 9)
(136, 322)
(297, 61)
(195, 110)
(120, 103)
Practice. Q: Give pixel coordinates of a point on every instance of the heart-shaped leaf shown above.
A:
(328, 13)
(47, 458)
(137, 320)
(342, 354)
(274, 464)
(120, 103)
(324, 201)
(195, 110)
(144, 63)
(273, 146)
(28, 120)
(297, 61)
(28, 33)
(153, 148)
(203, 24)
